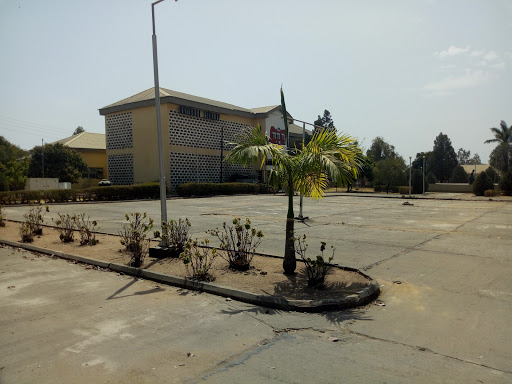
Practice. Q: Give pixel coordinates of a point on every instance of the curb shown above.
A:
(362, 297)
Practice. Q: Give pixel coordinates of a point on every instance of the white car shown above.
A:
(104, 183)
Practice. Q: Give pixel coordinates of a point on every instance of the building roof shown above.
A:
(147, 98)
(297, 129)
(84, 140)
(479, 167)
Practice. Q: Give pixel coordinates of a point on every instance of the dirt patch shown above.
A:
(265, 277)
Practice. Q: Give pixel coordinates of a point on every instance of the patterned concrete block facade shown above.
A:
(196, 136)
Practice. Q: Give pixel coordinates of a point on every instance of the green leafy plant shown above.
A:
(134, 236)
(239, 242)
(35, 219)
(482, 184)
(177, 234)
(26, 232)
(316, 269)
(66, 226)
(506, 183)
(86, 228)
(198, 257)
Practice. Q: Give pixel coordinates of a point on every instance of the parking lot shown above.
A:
(444, 314)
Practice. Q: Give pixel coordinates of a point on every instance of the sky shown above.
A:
(404, 70)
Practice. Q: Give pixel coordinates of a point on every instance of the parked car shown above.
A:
(104, 183)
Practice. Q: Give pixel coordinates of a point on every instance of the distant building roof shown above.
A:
(297, 129)
(84, 140)
(147, 98)
(479, 167)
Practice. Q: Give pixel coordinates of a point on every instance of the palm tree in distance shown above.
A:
(500, 157)
(307, 170)
(501, 135)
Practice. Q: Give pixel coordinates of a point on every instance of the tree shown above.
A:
(501, 157)
(59, 161)
(78, 130)
(307, 170)
(463, 156)
(475, 159)
(10, 151)
(482, 184)
(417, 182)
(325, 121)
(459, 175)
(390, 172)
(442, 159)
(380, 150)
(417, 163)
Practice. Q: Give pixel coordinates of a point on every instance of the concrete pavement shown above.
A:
(444, 315)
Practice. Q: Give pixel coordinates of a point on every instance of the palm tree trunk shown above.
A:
(289, 262)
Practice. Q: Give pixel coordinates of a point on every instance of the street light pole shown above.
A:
(410, 171)
(423, 174)
(163, 192)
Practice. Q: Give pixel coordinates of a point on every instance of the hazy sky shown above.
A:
(404, 70)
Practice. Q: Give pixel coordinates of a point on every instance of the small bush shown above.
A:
(403, 190)
(459, 175)
(35, 219)
(66, 225)
(490, 193)
(2, 221)
(316, 269)
(86, 228)
(26, 233)
(506, 183)
(134, 236)
(239, 243)
(481, 184)
(210, 189)
(199, 260)
(378, 188)
(493, 175)
(431, 178)
(177, 234)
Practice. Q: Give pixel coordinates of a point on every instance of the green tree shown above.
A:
(443, 159)
(381, 150)
(463, 156)
(417, 181)
(459, 175)
(10, 151)
(59, 161)
(501, 156)
(475, 159)
(482, 184)
(324, 122)
(307, 170)
(78, 130)
(390, 172)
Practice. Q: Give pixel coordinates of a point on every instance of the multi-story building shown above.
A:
(197, 133)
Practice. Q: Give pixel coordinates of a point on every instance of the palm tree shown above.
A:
(501, 135)
(500, 156)
(306, 170)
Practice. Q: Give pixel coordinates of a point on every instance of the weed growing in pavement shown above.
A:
(239, 242)
(134, 236)
(199, 260)
(316, 269)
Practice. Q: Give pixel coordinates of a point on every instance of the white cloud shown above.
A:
(452, 51)
(476, 53)
(468, 80)
(490, 56)
(500, 65)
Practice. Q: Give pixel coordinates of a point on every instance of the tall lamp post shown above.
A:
(423, 174)
(163, 192)
(410, 171)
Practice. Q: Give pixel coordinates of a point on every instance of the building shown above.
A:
(92, 148)
(197, 133)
